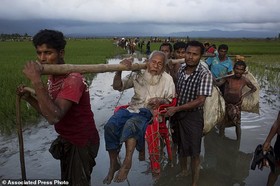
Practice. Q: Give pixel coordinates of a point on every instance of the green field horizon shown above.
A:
(263, 53)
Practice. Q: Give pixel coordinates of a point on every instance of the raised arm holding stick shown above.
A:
(65, 103)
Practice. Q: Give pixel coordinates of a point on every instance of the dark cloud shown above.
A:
(92, 29)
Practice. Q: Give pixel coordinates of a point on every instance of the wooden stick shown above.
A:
(31, 90)
(20, 138)
(20, 135)
(229, 75)
(241, 55)
(209, 55)
(174, 61)
(95, 68)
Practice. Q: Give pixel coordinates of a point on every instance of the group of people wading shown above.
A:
(65, 103)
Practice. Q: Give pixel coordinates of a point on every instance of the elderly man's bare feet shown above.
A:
(124, 170)
(108, 179)
(121, 175)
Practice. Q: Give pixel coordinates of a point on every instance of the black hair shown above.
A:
(180, 44)
(223, 46)
(52, 38)
(240, 63)
(197, 44)
(166, 44)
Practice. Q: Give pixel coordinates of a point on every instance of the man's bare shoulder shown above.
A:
(242, 78)
(246, 80)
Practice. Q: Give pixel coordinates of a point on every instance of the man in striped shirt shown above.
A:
(193, 86)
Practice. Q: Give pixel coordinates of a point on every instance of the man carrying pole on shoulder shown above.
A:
(65, 103)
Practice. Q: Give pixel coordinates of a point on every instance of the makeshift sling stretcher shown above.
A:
(156, 131)
(159, 130)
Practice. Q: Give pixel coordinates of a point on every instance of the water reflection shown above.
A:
(223, 162)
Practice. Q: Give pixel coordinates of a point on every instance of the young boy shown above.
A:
(233, 97)
(168, 50)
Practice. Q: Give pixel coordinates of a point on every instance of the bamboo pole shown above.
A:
(95, 68)
(229, 75)
(174, 61)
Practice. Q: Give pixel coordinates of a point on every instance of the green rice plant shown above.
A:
(268, 75)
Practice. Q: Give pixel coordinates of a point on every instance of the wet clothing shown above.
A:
(219, 68)
(191, 122)
(132, 121)
(76, 162)
(78, 137)
(233, 114)
(174, 131)
(124, 125)
(232, 96)
(191, 131)
(78, 125)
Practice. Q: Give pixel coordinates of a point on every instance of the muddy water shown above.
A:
(223, 161)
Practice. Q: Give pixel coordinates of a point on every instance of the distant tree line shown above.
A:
(15, 37)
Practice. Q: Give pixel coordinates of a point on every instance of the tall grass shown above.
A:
(15, 54)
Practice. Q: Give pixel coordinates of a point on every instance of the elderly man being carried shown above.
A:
(152, 87)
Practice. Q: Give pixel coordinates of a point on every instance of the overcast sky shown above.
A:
(154, 16)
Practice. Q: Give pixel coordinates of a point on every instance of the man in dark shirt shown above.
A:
(193, 86)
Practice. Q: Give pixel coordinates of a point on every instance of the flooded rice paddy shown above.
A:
(224, 161)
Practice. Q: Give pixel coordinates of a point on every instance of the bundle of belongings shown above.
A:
(262, 158)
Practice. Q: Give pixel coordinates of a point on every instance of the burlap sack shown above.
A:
(214, 110)
(251, 102)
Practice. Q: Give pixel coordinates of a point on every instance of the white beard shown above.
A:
(151, 79)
